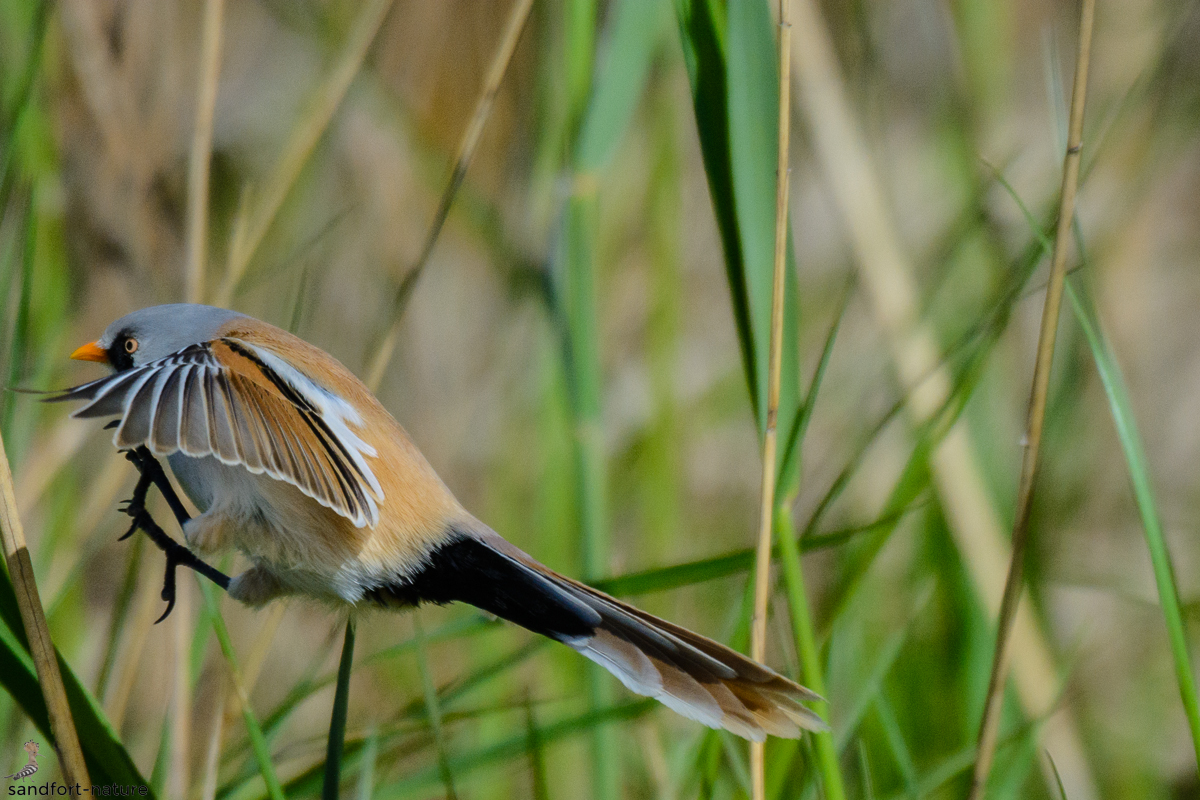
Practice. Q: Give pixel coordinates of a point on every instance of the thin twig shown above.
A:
(762, 569)
(201, 156)
(990, 725)
(517, 18)
(33, 618)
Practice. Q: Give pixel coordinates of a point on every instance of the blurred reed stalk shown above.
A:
(762, 566)
(258, 209)
(989, 726)
(201, 154)
(602, 93)
(33, 618)
(577, 287)
(517, 17)
(196, 257)
(887, 276)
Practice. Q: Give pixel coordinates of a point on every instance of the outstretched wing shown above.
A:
(242, 405)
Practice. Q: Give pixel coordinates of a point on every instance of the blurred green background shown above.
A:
(579, 360)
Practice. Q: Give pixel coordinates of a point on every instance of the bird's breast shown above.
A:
(307, 545)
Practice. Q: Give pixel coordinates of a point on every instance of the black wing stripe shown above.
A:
(339, 458)
(311, 416)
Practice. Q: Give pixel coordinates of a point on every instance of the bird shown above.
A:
(31, 747)
(293, 461)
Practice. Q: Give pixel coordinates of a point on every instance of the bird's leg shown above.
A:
(151, 473)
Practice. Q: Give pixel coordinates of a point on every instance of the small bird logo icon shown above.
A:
(31, 747)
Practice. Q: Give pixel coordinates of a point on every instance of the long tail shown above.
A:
(696, 677)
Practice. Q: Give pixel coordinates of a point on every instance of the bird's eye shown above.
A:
(131, 346)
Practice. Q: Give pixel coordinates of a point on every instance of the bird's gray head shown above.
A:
(153, 333)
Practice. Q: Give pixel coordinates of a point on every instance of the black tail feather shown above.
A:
(697, 677)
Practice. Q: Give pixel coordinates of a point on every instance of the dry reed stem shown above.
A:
(989, 727)
(103, 90)
(517, 18)
(257, 214)
(887, 276)
(766, 509)
(33, 618)
(201, 155)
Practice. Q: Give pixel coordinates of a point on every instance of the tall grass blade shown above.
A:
(871, 690)
(336, 742)
(990, 723)
(732, 93)
(789, 465)
(810, 654)
(258, 743)
(1139, 475)
(864, 769)
(18, 350)
(10, 125)
(366, 771)
(419, 783)
(894, 735)
(433, 712)
(537, 754)
(603, 107)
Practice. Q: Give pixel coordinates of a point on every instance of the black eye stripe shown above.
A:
(120, 353)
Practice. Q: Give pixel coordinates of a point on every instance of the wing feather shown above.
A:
(164, 430)
(223, 442)
(193, 416)
(242, 411)
(135, 426)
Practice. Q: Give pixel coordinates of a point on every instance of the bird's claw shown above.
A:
(168, 590)
(150, 472)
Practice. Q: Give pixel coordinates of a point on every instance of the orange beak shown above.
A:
(91, 351)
